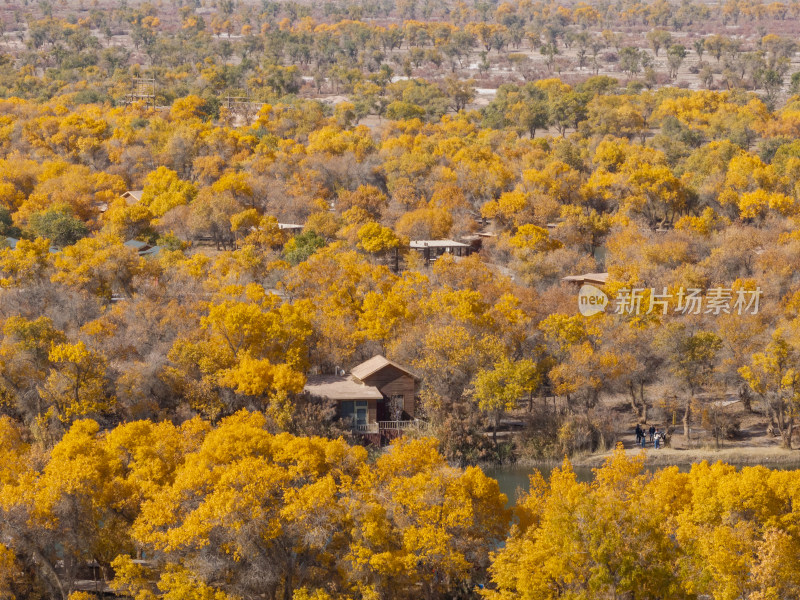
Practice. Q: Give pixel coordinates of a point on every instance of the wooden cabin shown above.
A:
(397, 385)
(377, 394)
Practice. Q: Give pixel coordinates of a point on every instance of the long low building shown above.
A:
(433, 249)
(590, 278)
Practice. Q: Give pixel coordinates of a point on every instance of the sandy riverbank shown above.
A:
(769, 457)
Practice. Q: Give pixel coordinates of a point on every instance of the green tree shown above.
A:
(58, 226)
(658, 38)
(675, 56)
(7, 227)
(631, 60)
(300, 247)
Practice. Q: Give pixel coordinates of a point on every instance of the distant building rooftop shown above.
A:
(143, 248)
(593, 278)
(151, 251)
(133, 196)
(12, 243)
(437, 244)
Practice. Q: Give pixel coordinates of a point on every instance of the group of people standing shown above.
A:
(656, 437)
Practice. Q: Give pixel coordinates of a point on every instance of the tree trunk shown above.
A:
(427, 590)
(784, 426)
(288, 592)
(45, 571)
(634, 403)
(686, 415)
(744, 395)
(643, 403)
(773, 422)
(288, 584)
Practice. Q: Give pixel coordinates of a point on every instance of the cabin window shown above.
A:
(355, 410)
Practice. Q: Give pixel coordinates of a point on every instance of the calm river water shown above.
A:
(514, 480)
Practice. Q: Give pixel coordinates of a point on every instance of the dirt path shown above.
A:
(769, 457)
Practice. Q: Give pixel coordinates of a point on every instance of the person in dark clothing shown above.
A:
(639, 434)
(652, 431)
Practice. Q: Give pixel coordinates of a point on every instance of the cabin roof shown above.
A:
(142, 248)
(599, 278)
(152, 251)
(12, 244)
(437, 244)
(338, 387)
(135, 195)
(375, 364)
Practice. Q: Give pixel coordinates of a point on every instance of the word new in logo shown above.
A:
(591, 300)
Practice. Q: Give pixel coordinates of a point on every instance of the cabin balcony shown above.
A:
(381, 426)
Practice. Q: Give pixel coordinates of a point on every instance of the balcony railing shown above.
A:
(387, 426)
(397, 425)
(365, 427)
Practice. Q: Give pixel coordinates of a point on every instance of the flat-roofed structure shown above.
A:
(431, 250)
(590, 278)
(290, 228)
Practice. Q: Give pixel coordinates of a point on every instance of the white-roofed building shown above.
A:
(431, 250)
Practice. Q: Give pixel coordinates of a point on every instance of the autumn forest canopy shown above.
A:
(233, 511)
(208, 208)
